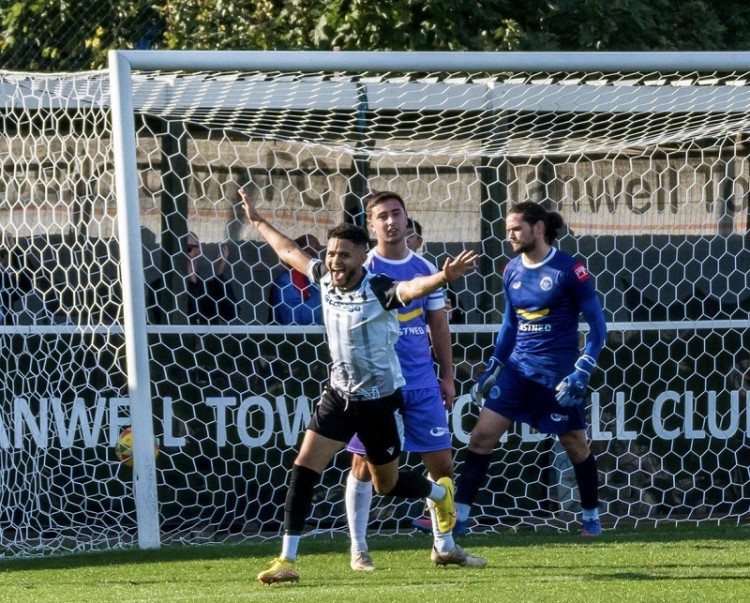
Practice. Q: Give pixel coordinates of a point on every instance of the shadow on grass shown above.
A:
(326, 543)
(644, 577)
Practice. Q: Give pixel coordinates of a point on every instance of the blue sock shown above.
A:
(587, 476)
(472, 477)
(590, 514)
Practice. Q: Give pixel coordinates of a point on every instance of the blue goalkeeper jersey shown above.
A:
(544, 305)
(413, 344)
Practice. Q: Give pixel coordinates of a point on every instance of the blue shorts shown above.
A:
(425, 422)
(518, 398)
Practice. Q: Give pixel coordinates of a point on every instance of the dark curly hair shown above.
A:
(350, 232)
(533, 212)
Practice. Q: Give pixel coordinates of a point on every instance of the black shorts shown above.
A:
(374, 421)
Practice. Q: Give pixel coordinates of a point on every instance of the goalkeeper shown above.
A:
(536, 374)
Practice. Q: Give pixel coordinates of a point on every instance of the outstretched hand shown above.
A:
(250, 211)
(220, 263)
(462, 264)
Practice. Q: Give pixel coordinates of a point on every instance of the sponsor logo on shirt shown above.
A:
(372, 393)
(411, 331)
(343, 305)
(581, 272)
(533, 314)
(527, 327)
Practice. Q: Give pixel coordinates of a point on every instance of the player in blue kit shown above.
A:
(363, 393)
(425, 398)
(536, 374)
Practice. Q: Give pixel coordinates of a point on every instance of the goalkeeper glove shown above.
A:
(486, 380)
(572, 390)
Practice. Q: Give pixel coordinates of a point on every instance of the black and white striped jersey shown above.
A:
(362, 330)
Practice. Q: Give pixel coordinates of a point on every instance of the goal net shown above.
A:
(134, 293)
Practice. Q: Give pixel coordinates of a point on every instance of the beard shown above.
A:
(527, 247)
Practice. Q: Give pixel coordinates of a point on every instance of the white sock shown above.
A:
(358, 499)
(437, 493)
(462, 511)
(443, 542)
(289, 546)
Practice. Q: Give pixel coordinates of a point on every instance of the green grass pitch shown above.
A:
(687, 563)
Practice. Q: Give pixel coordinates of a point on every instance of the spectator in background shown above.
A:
(210, 300)
(8, 282)
(294, 299)
(414, 238)
(414, 241)
(453, 309)
(14, 283)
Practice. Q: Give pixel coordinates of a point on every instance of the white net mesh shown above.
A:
(649, 170)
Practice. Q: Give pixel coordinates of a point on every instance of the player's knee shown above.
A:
(482, 442)
(384, 477)
(489, 428)
(360, 469)
(383, 488)
(578, 455)
(576, 447)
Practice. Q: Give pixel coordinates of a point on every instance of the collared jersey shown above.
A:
(545, 303)
(362, 330)
(413, 345)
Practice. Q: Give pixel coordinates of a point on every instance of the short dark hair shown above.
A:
(307, 240)
(414, 225)
(532, 213)
(188, 246)
(375, 198)
(350, 232)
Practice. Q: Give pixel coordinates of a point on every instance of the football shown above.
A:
(124, 447)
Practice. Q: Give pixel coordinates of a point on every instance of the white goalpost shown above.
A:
(118, 193)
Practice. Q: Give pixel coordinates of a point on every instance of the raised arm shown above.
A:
(420, 286)
(288, 251)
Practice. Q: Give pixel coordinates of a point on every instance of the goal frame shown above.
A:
(123, 63)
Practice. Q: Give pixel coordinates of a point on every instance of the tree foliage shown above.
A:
(76, 34)
(221, 24)
(69, 35)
